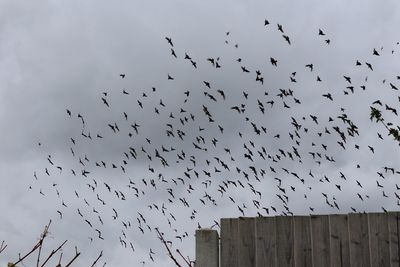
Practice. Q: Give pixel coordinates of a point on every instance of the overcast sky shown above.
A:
(59, 55)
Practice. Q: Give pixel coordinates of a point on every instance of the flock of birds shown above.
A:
(216, 147)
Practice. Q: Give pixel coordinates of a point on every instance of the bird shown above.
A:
(280, 28)
(328, 96)
(169, 40)
(173, 53)
(347, 78)
(105, 102)
(287, 39)
(244, 69)
(273, 61)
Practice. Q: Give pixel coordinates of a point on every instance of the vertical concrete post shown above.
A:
(207, 248)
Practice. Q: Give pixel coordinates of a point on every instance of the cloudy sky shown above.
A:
(68, 55)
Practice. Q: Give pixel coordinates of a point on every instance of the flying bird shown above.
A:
(273, 61)
(169, 40)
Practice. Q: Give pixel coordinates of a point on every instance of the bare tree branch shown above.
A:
(94, 263)
(59, 260)
(166, 246)
(43, 236)
(26, 255)
(40, 250)
(53, 252)
(74, 258)
(2, 246)
(39, 245)
(187, 262)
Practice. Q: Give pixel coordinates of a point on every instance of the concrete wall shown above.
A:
(207, 248)
(370, 239)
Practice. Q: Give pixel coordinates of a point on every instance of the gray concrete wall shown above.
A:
(365, 240)
(207, 248)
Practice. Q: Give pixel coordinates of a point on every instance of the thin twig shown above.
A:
(74, 258)
(40, 250)
(53, 252)
(166, 246)
(39, 245)
(59, 260)
(44, 235)
(29, 253)
(188, 263)
(2, 246)
(94, 263)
